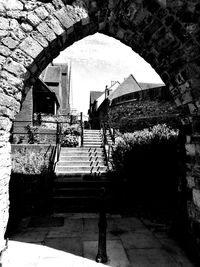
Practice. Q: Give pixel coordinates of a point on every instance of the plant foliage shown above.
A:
(141, 142)
(27, 161)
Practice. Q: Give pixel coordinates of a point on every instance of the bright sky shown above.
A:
(96, 61)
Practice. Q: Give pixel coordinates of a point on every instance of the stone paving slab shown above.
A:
(71, 228)
(115, 251)
(31, 236)
(70, 245)
(139, 240)
(129, 243)
(150, 258)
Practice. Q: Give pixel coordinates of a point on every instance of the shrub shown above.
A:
(26, 161)
(73, 129)
(141, 141)
(148, 161)
(33, 136)
(70, 141)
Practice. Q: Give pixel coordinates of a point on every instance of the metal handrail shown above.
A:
(82, 127)
(59, 137)
(108, 148)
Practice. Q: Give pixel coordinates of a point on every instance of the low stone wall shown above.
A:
(30, 194)
(193, 190)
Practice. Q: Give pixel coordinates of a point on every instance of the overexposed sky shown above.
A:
(96, 61)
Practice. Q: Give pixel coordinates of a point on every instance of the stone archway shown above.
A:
(165, 33)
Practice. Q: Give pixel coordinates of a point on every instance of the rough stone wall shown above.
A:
(32, 33)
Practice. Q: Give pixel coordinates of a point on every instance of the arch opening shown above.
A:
(33, 34)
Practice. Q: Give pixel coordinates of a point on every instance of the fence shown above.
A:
(43, 129)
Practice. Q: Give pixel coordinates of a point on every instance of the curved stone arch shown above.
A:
(34, 32)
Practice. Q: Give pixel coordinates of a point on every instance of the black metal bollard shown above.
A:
(102, 255)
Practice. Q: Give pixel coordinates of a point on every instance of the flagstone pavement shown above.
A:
(71, 240)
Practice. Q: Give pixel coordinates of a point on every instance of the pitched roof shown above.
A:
(94, 95)
(40, 86)
(52, 74)
(129, 85)
(145, 86)
(101, 98)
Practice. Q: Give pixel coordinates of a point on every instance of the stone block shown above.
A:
(190, 181)
(8, 88)
(26, 27)
(192, 108)
(4, 50)
(14, 24)
(10, 42)
(16, 14)
(54, 24)
(48, 33)
(39, 38)
(3, 33)
(2, 8)
(178, 101)
(57, 4)
(11, 79)
(85, 21)
(29, 5)
(9, 102)
(18, 96)
(18, 34)
(184, 87)
(50, 8)
(2, 60)
(33, 19)
(187, 98)
(196, 197)
(31, 47)
(13, 5)
(63, 17)
(4, 23)
(22, 58)
(16, 68)
(190, 149)
(10, 114)
(41, 12)
(5, 124)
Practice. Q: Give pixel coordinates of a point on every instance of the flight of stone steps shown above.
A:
(81, 161)
(88, 159)
(81, 173)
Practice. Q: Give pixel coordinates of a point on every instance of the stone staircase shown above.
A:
(81, 173)
(81, 161)
(92, 138)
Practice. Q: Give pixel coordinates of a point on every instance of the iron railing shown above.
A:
(108, 147)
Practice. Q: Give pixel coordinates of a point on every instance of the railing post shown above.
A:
(81, 122)
(102, 254)
(57, 132)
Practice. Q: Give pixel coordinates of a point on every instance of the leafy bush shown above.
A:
(70, 141)
(141, 141)
(26, 161)
(73, 129)
(71, 135)
(148, 161)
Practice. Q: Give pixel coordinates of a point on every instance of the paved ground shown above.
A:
(71, 240)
